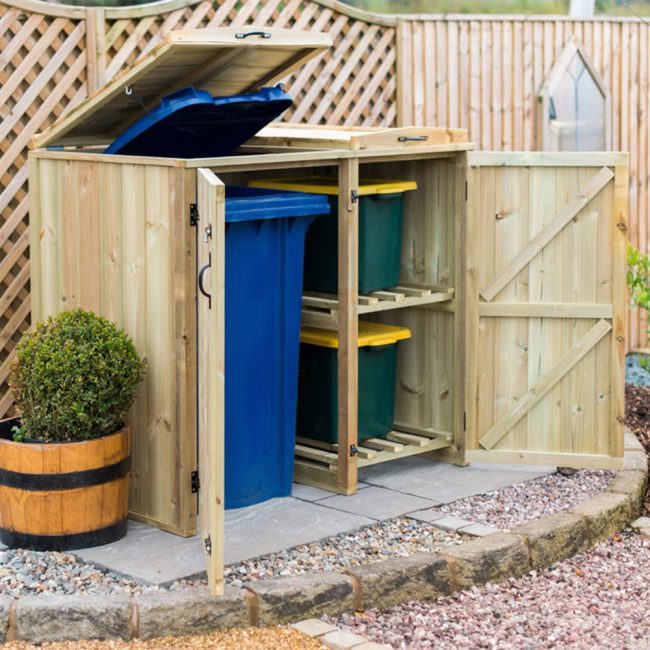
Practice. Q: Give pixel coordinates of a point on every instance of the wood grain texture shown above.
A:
(70, 511)
(544, 380)
(211, 314)
(116, 239)
(489, 70)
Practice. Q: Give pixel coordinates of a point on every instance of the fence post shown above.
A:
(95, 47)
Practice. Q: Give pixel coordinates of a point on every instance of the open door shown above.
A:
(546, 308)
(211, 302)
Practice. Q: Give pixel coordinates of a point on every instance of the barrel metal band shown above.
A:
(66, 480)
(105, 535)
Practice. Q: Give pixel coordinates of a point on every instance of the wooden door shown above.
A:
(211, 299)
(546, 308)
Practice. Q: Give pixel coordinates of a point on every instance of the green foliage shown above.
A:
(638, 282)
(74, 377)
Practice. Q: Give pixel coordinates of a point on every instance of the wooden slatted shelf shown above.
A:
(318, 307)
(396, 444)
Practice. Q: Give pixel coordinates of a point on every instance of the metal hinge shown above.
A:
(207, 544)
(353, 450)
(354, 196)
(464, 420)
(194, 214)
(196, 483)
(466, 190)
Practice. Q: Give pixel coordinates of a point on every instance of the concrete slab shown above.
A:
(309, 493)
(451, 523)
(282, 523)
(149, 554)
(429, 515)
(378, 503)
(445, 483)
(478, 530)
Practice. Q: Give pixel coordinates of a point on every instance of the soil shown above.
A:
(637, 418)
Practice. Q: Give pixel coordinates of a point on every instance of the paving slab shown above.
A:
(310, 493)
(378, 503)
(479, 530)
(149, 554)
(451, 523)
(443, 482)
(282, 523)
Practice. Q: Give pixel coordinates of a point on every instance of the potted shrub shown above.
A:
(64, 460)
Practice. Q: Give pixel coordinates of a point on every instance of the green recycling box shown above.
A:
(318, 381)
(380, 232)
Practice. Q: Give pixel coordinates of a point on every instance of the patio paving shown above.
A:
(389, 490)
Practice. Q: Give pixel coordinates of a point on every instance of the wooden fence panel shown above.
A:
(483, 73)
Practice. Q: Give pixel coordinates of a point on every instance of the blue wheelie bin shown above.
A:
(265, 242)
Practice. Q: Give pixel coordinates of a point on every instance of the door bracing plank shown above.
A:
(545, 384)
(568, 212)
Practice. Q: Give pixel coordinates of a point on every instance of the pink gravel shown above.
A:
(513, 505)
(597, 599)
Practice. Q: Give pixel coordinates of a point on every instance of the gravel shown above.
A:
(596, 599)
(634, 373)
(235, 639)
(25, 573)
(389, 539)
(516, 504)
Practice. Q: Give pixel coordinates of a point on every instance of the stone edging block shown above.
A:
(310, 595)
(383, 584)
(177, 612)
(422, 576)
(69, 618)
(488, 559)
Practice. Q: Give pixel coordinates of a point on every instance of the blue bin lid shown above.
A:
(252, 203)
(192, 123)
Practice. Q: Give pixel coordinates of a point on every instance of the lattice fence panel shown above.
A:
(354, 84)
(42, 75)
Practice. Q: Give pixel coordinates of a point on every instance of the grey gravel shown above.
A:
(597, 599)
(398, 537)
(516, 504)
(25, 573)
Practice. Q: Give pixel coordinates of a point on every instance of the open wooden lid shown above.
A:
(224, 61)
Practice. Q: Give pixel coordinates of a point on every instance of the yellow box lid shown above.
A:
(329, 185)
(370, 335)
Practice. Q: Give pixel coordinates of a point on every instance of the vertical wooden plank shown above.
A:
(403, 68)
(507, 101)
(454, 85)
(529, 91)
(518, 86)
(348, 354)
(183, 185)
(95, 48)
(134, 283)
(36, 187)
(475, 82)
(464, 78)
(619, 224)
(443, 86)
(211, 202)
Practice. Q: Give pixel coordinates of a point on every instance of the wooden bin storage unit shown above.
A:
(513, 283)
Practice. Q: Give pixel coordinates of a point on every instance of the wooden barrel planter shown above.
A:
(63, 495)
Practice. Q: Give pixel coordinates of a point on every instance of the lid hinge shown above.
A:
(353, 450)
(207, 544)
(196, 483)
(354, 196)
(194, 215)
(466, 190)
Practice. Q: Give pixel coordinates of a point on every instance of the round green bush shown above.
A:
(74, 378)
